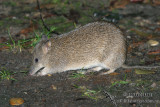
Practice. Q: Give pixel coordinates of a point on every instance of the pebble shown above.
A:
(153, 42)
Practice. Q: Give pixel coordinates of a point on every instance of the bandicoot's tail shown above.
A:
(142, 67)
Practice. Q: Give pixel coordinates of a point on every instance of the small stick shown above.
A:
(110, 97)
(40, 11)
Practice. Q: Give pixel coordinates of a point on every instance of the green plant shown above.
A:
(25, 72)
(144, 84)
(91, 94)
(6, 74)
(87, 92)
(20, 44)
(38, 37)
(77, 75)
(46, 32)
(35, 40)
(119, 83)
(80, 74)
(13, 43)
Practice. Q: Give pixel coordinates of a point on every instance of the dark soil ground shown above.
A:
(125, 88)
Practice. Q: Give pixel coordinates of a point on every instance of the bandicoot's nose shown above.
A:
(31, 73)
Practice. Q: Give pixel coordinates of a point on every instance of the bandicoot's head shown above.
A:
(40, 57)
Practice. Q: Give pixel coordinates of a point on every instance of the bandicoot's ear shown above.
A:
(46, 46)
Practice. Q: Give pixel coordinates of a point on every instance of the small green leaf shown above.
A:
(139, 71)
(119, 82)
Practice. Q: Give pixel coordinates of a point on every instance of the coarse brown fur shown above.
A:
(98, 45)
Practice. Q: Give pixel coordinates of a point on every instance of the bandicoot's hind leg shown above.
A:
(97, 68)
(94, 69)
(113, 62)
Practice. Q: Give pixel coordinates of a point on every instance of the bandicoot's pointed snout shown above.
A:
(31, 73)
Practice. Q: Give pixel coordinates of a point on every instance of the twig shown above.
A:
(110, 97)
(45, 26)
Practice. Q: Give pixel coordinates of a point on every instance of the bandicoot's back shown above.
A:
(96, 45)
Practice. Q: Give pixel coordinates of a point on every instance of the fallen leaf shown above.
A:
(127, 71)
(157, 58)
(133, 45)
(129, 48)
(44, 15)
(16, 101)
(4, 47)
(54, 87)
(114, 73)
(24, 32)
(138, 71)
(154, 52)
(158, 29)
(118, 4)
(136, 1)
(47, 15)
(136, 44)
(29, 29)
(3, 39)
(49, 75)
(156, 2)
(140, 33)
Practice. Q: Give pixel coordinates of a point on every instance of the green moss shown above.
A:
(5, 74)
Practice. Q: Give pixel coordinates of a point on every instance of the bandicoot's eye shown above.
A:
(36, 60)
